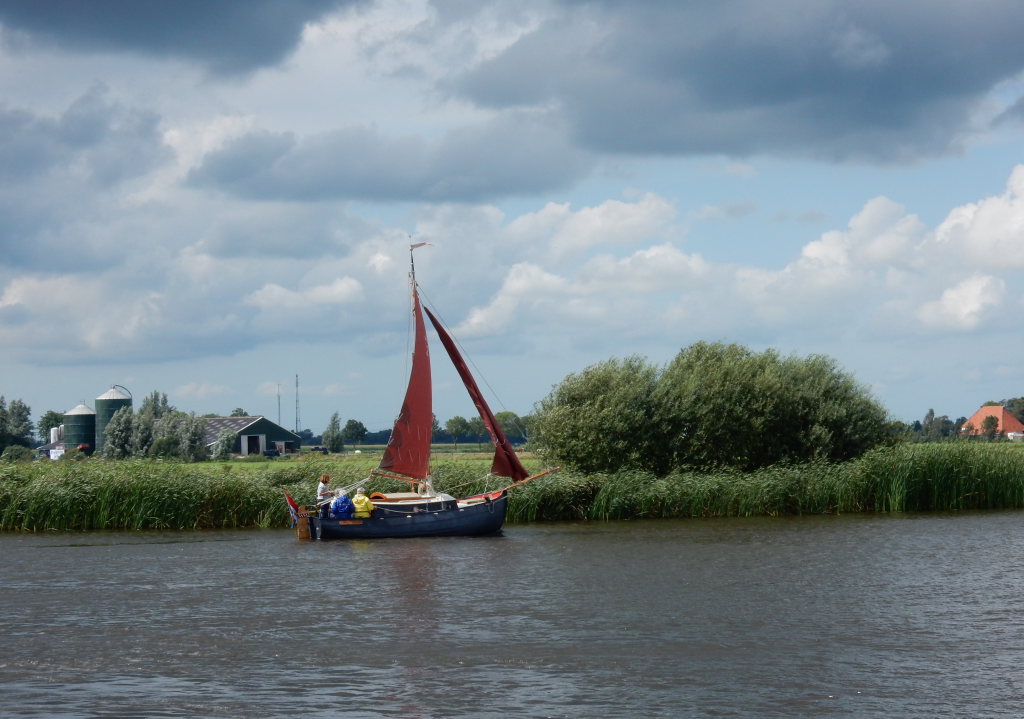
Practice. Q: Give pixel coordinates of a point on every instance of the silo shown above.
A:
(80, 428)
(106, 405)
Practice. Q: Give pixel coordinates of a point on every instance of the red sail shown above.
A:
(408, 451)
(506, 461)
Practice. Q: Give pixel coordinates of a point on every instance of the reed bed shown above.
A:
(152, 494)
(905, 478)
(817, 488)
(148, 494)
(947, 477)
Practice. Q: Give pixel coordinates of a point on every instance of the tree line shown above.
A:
(715, 405)
(455, 431)
(933, 428)
(159, 429)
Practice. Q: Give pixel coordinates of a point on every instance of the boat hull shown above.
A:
(475, 520)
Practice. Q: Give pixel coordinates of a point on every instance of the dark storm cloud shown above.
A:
(225, 35)
(885, 81)
(518, 153)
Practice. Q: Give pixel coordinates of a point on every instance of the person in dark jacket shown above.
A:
(342, 507)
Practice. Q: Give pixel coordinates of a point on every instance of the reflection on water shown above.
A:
(836, 616)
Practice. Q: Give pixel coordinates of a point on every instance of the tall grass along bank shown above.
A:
(905, 478)
(152, 494)
(148, 494)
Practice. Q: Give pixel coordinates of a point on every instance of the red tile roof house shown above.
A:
(1008, 424)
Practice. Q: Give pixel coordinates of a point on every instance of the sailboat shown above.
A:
(422, 511)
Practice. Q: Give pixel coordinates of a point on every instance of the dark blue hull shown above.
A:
(475, 520)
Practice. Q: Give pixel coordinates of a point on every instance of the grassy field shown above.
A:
(98, 494)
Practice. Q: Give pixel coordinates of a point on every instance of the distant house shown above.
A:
(253, 435)
(1007, 423)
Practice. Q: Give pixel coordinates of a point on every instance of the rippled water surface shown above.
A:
(917, 616)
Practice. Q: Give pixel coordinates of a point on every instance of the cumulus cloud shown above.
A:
(647, 271)
(837, 268)
(634, 295)
(988, 233)
(101, 324)
(617, 266)
(567, 233)
(963, 307)
(526, 286)
(273, 296)
(886, 273)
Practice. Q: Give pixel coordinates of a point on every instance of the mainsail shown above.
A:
(408, 450)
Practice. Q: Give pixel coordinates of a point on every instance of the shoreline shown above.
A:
(130, 495)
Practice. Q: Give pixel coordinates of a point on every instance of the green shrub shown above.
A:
(713, 406)
(17, 453)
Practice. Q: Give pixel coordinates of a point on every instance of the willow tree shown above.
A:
(714, 405)
(599, 419)
(724, 405)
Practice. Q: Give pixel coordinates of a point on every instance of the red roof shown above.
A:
(1007, 422)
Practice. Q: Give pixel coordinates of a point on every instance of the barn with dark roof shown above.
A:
(253, 435)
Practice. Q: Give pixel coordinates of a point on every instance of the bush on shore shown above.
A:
(714, 406)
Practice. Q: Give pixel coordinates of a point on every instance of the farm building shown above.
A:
(1007, 423)
(253, 435)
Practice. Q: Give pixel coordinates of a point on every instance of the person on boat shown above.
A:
(342, 507)
(324, 492)
(363, 505)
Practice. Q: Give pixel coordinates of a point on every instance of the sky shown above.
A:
(212, 199)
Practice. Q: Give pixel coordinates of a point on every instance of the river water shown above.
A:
(859, 616)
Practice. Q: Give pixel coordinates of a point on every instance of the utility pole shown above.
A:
(297, 419)
(279, 403)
